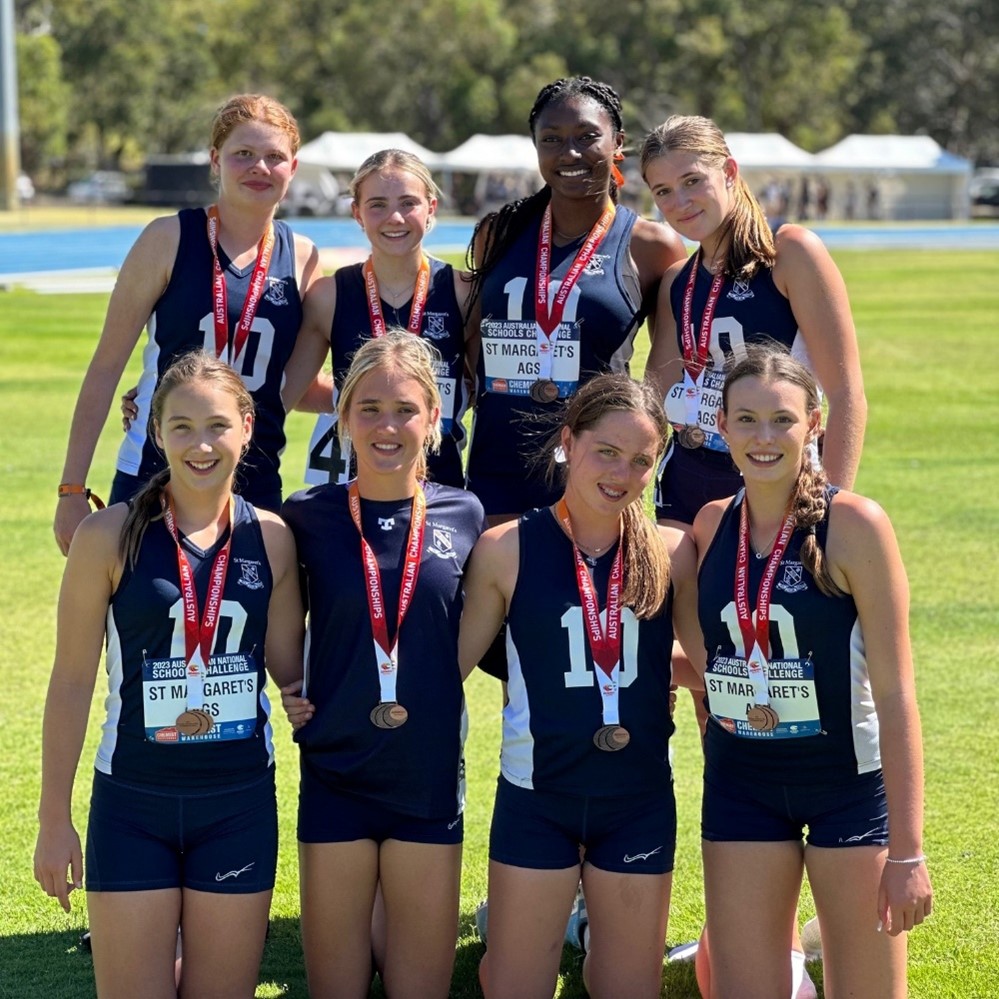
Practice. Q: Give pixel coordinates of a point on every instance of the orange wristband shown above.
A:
(74, 489)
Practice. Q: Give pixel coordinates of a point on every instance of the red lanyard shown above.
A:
(219, 295)
(695, 356)
(420, 293)
(547, 319)
(605, 645)
(386, 654)
(758, 637)
(198, 639)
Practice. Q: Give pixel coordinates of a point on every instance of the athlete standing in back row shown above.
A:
(229, 279)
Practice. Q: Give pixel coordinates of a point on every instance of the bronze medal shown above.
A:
(611, 738)
(544, 390)
(692, 436)
(194, 722)
(388, 714)
(762, 717)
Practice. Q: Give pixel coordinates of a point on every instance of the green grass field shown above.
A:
(926, 322)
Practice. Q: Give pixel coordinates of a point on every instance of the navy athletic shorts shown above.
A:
(329, 815)
(853, 812)
(626, 834)
(222, 840)
(689, 478)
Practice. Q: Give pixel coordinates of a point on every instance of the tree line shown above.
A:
(107, 82)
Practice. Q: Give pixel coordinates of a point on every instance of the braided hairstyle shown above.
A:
(771, 362)
(500, 228)
(747, 238)
(646, 558)
(148, 504)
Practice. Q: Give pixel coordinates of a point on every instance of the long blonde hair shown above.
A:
(646, 558)
(748, 241)
(410, 355)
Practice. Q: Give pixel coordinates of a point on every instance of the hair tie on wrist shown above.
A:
(76, 489)
(921, 859)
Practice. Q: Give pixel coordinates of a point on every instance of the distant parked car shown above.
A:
(102, 187)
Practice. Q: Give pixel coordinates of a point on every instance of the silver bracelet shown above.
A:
(921, 859)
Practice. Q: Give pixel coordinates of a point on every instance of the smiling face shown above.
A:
(389, 422)
(202, 434)
(610, 464)
(576, 142)
(394, 208)
(767, 425)
(255, 164)
(694, 195)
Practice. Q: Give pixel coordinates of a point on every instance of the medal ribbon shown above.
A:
(386, 654)
(420, 293)
(198, 640)
(756, 640)
(695, 354)
(231, 355)
(605, 646)
(547, 320)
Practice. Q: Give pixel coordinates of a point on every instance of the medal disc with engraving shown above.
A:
(762, 717)
(194, 722)
(691, 436)
(611, 738)
(544, 390)
(389, 714)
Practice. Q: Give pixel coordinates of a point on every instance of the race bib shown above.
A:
(512, 365)
(704, 408)
(791, 687)
(231, 696)
(447, 387)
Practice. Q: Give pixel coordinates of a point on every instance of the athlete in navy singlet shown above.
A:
(380, 725)
(247, 309)
(182, 319)
(195, 593)
(812, 756)
(398, 287)
(522, 367)
(749, 286)
(590, 590)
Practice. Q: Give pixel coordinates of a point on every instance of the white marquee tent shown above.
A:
(344, 152)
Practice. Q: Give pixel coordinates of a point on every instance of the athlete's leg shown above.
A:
(133, 937)
(338, 882)
(751, 893)
(857, 960)
(527, 913)
(628, 915)
(421, 884)
(223, 943)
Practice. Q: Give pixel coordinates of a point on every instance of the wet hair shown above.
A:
(394, 160)
(499, 229)
(748, 240)
(243, 108)
(646, 558)
(410, 355)
(147, 505)
(809, 502)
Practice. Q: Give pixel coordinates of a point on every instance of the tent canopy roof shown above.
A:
(766, 149)
(346, 151)
(890, 152)
(491, 152)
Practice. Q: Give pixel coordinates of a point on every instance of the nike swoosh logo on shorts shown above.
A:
(641, 856)
(234, 874)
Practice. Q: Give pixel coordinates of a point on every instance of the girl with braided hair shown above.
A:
(561, 282)
(803, 601)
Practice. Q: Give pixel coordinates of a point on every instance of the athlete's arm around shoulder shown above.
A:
(664, 365)
(285, 616)
(490, 579)
(92, 572)
(807, 276)
(683, 576)
(141, 282)
(655, 247)
(865, 561)
(304, 387)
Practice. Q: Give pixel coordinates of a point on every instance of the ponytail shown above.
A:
(145, 507)
(646, 563)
